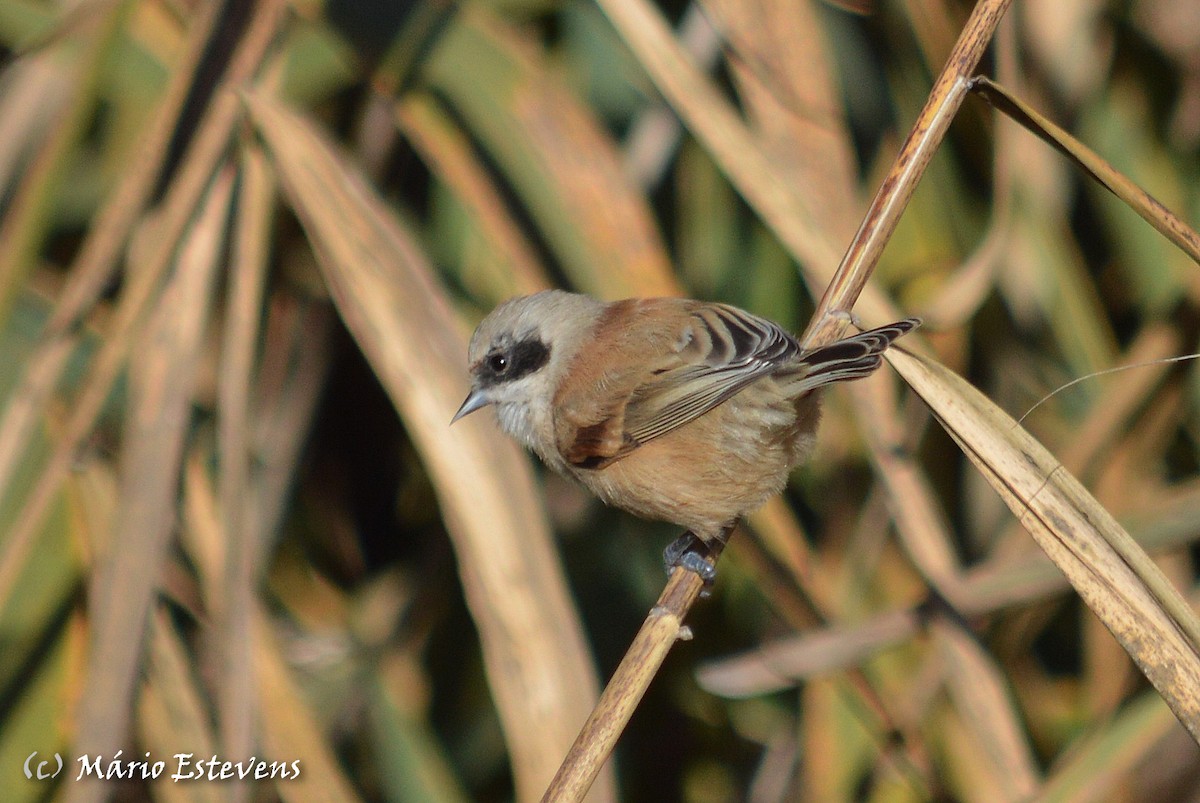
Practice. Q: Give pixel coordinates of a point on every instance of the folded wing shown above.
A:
(673, 360)
(729, 349)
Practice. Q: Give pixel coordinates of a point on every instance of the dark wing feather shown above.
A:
(745, 348)
(729, 349)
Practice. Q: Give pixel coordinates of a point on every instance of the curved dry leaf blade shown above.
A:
(1105, 757)
(717, 125)
(90, 273)
(980, 692)
(171, 707)
(782, 664)
(1110, 571)
(289, 729)
(93, 267)
(384, 288)
(161, 396)
(1164, 220)
(448, 153)
(555, 154)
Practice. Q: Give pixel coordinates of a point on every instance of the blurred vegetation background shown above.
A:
(241, 247)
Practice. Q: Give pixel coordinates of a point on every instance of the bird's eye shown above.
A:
(498, 363)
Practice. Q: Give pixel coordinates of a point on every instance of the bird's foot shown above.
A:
(691, 553)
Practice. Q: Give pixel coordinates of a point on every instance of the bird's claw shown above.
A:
(689, 552)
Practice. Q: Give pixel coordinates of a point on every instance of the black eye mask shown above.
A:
(513, 361)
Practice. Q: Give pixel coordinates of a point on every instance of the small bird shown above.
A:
(672, 409)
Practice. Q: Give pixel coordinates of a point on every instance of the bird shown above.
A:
(673, 409)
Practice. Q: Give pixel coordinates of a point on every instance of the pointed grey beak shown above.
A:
(475, 399)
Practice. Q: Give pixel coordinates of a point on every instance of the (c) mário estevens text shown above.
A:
(187, 768)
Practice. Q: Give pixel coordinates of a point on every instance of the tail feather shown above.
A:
(851, 358)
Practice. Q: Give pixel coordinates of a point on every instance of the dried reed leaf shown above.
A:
(981, 695)
(248, 270)
(96, 262)
(563, 165)
(1162, 219)
(538, 664)
(32, 94)
(290, 732)
(782, 664)
(514, 268)
(1108, 569)
(95, 265)
(171, 712)
(1101, 759)
(161, 391)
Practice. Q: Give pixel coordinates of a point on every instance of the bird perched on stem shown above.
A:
(683, 411)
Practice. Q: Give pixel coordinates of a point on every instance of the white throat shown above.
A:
(531, 423)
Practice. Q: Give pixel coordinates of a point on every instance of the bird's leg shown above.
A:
(691, 552)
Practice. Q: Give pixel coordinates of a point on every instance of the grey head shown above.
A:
(519, 354)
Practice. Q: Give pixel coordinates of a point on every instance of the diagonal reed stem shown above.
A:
(664, 625)
(945, 98)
